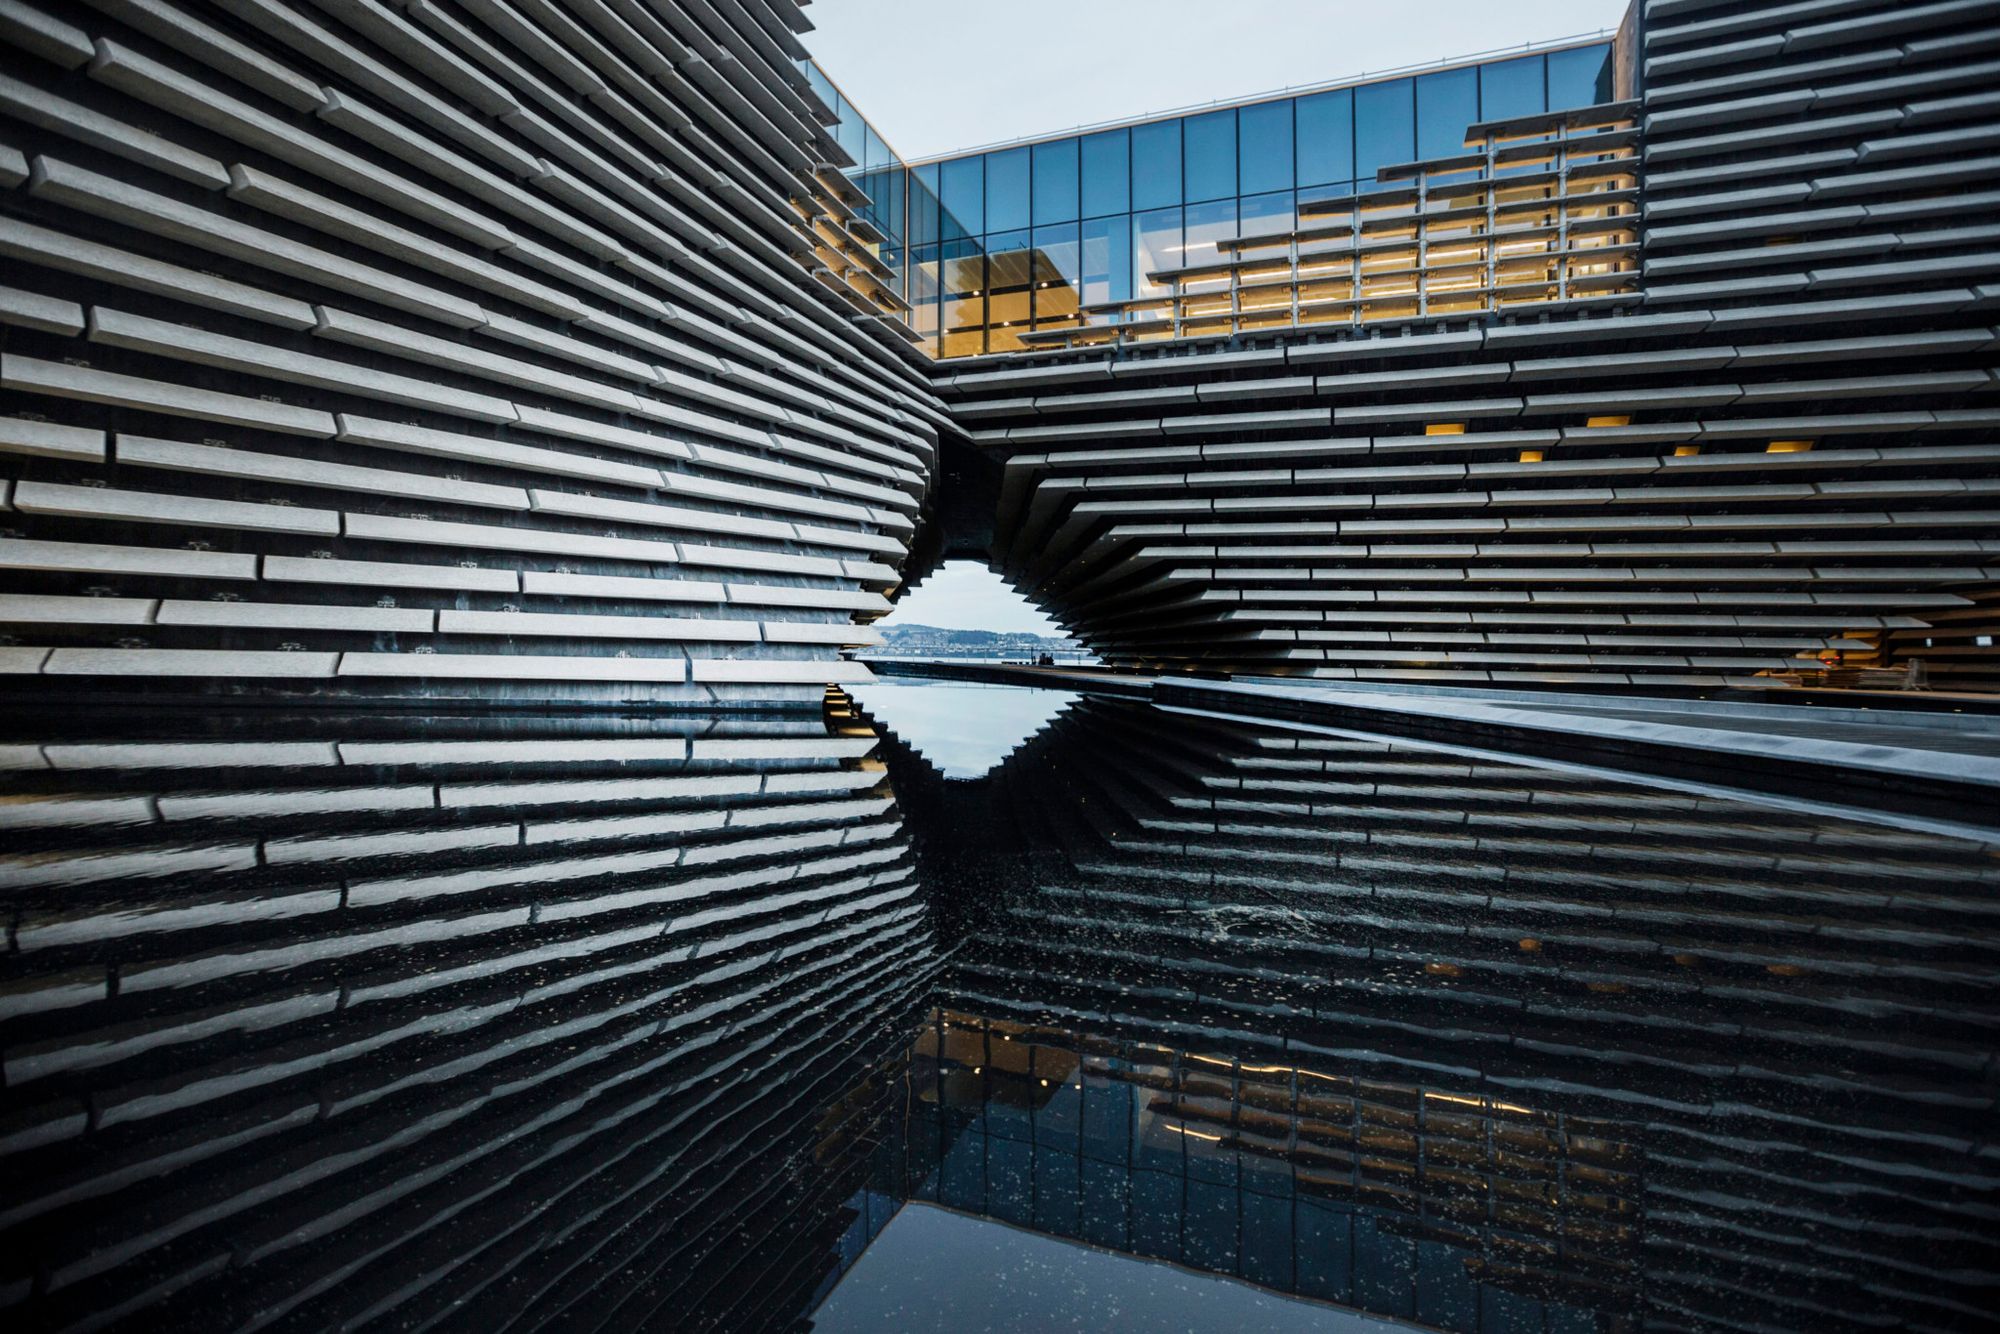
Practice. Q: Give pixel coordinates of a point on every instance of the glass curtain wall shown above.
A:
(989, 246)
(902, 207)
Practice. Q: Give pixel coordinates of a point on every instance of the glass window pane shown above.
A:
(1055, 182)
(1385, 130)
(1447, 102)
(1205, 225)
(851, 134)
(1007, 190)
(885, 188)
(964, 194)
(1320, 193)
(1510, 88)
(964, 268)
(1107, 165)
(923, 293)
(1579, 77)
(1267, 215)
(1009, 260)
(1107, 261)
(1326, 137)
(1211, 154)
(963, 317)
(1264, 151)
(1156, 244)
(897, 259)
(924, 204)
(1058, 271)
(821, 84)
(1156, 164)
(1009, 278)
(1056, 257)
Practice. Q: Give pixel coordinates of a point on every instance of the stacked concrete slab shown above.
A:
(1781, 449)
(499, 349)
(1440, 1036)
(366, 1024)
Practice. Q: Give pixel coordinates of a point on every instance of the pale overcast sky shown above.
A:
(940, 75)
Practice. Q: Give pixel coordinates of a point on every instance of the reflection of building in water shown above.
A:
(1478, 1043)
(1389, 1195)
(583, 1023)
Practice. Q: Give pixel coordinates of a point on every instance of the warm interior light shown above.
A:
(1531, 456)
(1686, 451)
(1445, 428)
(1609, 421)
(1192, 1134)
(1788, 447)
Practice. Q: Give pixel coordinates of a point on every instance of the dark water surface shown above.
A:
(972, 1010)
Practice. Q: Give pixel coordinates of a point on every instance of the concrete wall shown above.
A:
(407, 350)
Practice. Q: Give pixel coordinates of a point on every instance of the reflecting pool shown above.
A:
(968, 1011)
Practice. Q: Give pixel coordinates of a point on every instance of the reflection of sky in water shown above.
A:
(964, 730)
(932, 1269)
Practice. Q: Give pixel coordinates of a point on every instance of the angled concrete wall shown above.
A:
(443, 1022)
(1287, 943)
(1779, 444)
(499, 350)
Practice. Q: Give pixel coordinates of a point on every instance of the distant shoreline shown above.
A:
(932, 641)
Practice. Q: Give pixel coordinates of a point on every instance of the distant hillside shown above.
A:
(938, 641)
(894, 633)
